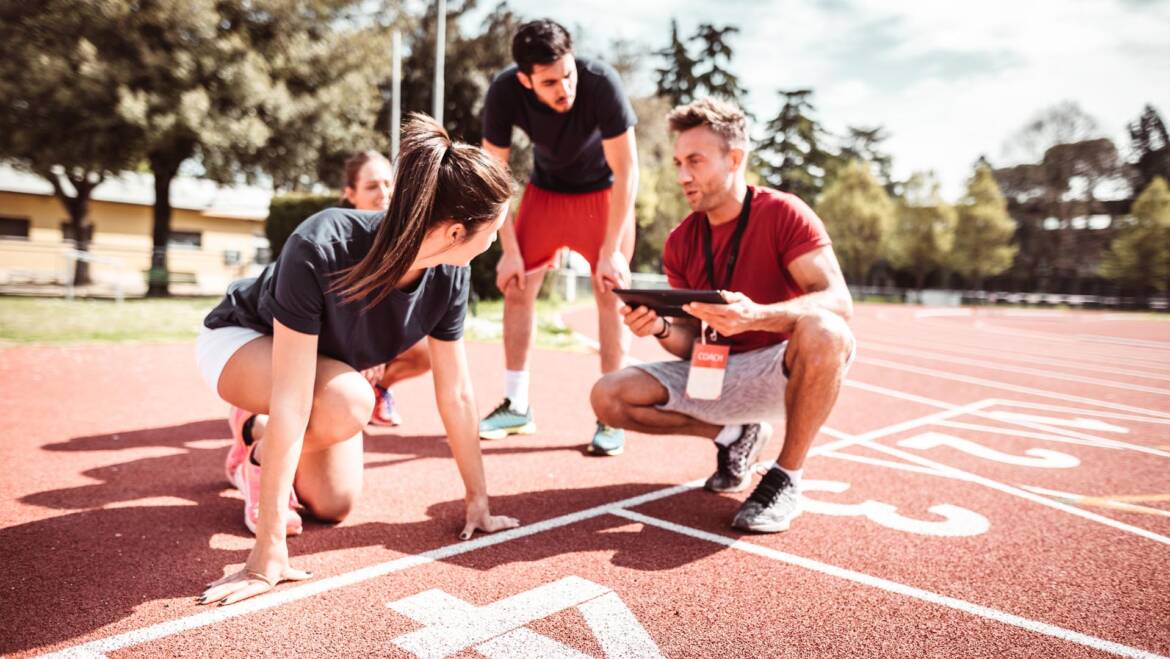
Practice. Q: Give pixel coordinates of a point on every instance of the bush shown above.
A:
(287, 212)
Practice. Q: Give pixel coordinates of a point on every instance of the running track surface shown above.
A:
(992, 483)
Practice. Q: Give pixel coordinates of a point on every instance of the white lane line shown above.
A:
(1054, 375)
(885, 463)
(1017, 492)
(943, 349)
(1113, 445)
(894, 587)
(996, 384)
(317, 587)
(1133, 343)
(1082, 411)
(1106, 502)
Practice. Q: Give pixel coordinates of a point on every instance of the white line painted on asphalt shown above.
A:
(995, 384)
(894, 587)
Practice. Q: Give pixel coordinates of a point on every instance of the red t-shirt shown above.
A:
(780, 228)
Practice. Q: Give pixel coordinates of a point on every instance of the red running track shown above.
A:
(990, 483)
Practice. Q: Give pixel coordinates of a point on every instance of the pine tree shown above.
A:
(676, 78)
(791, 156)
(717, 79)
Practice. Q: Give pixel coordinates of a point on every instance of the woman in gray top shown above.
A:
(350, 290)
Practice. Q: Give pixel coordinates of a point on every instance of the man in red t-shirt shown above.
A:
(784, 322)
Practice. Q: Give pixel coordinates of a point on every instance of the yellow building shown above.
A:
(217, 234)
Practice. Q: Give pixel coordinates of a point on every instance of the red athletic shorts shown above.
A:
(548, 221)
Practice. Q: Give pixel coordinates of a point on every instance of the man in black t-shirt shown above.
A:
(580, 196)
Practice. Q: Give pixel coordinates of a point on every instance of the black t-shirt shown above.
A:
(566, 146)
(295, 291)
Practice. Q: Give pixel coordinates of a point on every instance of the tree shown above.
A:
(660, 205)
(924, 229)
(1139, 255)
(58, 108)
(791, 156)
(984, 233)
(717, 79)
(224, 82)
(1150, 148)
(865, 144)
(676, 78)
(859, 216)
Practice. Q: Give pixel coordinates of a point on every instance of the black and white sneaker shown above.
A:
(772, 505)
(733, 471)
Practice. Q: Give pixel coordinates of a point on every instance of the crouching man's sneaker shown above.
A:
(504, 421)
(772, 505)
(733, 471)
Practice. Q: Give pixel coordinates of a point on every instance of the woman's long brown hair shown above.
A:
(436, 180)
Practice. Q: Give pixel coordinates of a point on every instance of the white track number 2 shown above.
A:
(1034, 457)
(955, 522)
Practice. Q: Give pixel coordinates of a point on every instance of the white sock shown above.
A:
(728, 435)
(516, 390)
(793, 475)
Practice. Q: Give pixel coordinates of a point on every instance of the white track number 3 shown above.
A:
(955, 522)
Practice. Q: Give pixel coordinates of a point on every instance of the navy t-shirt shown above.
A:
(566, 146)
(295, 291)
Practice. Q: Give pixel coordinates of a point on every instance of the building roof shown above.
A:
(241, 202)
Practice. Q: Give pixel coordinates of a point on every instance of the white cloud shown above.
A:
(948, 82)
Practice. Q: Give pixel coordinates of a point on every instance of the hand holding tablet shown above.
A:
(667, 301)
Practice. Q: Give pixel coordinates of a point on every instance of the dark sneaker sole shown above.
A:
(743, 485)
(501, 433)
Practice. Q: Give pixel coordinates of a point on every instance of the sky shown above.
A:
(948, 82)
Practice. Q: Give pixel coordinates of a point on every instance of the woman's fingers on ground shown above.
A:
(217, 593)
(254, 587)
(293, 574)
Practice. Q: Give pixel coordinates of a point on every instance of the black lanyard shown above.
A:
(736, 238)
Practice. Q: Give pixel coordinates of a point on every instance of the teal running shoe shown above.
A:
(504, 421)
(607, 441)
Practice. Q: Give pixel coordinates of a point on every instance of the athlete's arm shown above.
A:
(294, 372)
(510, 268)
(621, 153)
(817, 273)
(456, 402)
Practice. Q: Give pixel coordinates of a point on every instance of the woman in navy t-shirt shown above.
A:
(350, 290)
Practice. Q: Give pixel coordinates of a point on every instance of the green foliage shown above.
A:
(683, 78)
(983, 238)
(859, 216)
(924, 229)
(1140, 254)
(286, 212)
(676, 77)
(1150, 145)
(660, 204)
(792, 155)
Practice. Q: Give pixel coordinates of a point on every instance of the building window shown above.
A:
(67, 231)
(14, 228)
(186, 240)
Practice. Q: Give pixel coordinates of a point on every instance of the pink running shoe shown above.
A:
(248, 480)
(239, 451)
(384, 413)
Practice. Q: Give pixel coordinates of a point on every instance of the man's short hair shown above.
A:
(542, 41)
(722, 117)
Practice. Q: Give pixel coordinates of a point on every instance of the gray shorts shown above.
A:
(753, 388)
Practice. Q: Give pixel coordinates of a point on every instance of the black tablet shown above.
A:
(666, 301)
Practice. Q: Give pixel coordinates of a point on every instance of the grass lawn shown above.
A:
(54, 320)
